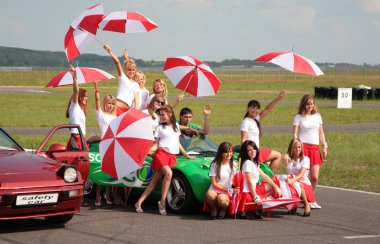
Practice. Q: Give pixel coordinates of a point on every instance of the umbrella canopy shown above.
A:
(269, 204)
(126, 143)
(292, 62)
(127, 22)
(192, 76)
(84, 75)
(81, 30)
(288, 190)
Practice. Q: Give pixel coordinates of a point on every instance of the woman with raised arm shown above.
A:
(127, 95)
(250, 129)
(76, 113)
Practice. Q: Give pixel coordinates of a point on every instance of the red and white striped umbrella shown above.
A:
(126, 22)
(192, 76)
(292, 62)
(81, 31)
(270, 204)
(84, 75)
(288, 190)
(126, 143)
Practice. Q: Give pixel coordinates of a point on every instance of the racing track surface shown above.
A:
(345, 217)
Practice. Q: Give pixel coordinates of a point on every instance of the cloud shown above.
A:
(296, 18)
(11, 25)
(370, 6)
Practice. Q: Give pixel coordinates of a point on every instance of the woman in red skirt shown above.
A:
(307, 126)
(222, 171)
(298, 166)
(253, 190)
(166, 146)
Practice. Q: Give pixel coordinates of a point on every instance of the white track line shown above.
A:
(361, 236)
(343, 189)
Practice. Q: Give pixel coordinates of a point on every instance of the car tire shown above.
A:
(89, 190)
(180, 198)
(61, 219)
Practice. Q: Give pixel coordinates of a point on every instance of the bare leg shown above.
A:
(98, 198)
(304, 198)
(314, 174)
(156, 177)
(223, 202)
(274, 160)
(166, 171)
(108, 195)
(210, 199)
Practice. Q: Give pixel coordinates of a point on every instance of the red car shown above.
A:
(47, 182)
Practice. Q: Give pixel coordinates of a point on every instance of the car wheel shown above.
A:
(180, 197)
(89, 189)
(61, 219)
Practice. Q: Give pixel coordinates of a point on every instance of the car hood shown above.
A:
(17, 167)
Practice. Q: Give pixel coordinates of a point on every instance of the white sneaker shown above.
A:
(314, 205)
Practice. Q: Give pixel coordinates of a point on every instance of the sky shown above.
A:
(337, 31)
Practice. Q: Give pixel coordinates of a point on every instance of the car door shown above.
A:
(54, 146)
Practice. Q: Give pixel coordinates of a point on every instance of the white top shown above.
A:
(143, 98)
(126, 90)
(104, 119)
(251, 167)
(308, 128)
(155, 122)
(168, 138)
(250, 126)
(226, 175)
(294, 168)
(77, 116)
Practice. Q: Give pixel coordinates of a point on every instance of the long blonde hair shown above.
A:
(105, 100)
(151, 108)
(165, 92)
(290, 148)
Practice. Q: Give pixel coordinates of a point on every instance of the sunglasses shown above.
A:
(160, 102)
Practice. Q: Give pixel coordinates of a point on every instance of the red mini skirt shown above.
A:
(312, 151)
(264, 155)
(163, 158)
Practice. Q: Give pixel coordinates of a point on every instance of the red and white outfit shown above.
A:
(294, 168)
(251, 167)
(76, 116)
(126, 91)
(168, 146)
(308, 133)
(226, 180)
(253, 133)
(104, 119)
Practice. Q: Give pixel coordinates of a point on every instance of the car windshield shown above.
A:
(7, 144)
(198, 145)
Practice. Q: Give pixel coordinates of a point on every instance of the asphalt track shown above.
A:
(346, 217)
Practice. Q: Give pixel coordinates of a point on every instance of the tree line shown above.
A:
(16, 57)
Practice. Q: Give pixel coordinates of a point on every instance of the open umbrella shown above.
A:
(292, 62)
(192, 76)
(126, 22)
(126, 143)
(84, 75)
(82, 31)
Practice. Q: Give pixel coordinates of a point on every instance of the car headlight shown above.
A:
(68, 173)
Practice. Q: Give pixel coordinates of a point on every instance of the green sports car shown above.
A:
(190, 176)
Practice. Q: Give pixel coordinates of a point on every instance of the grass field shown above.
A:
(353, 157)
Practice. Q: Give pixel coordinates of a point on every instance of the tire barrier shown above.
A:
(331, 92)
